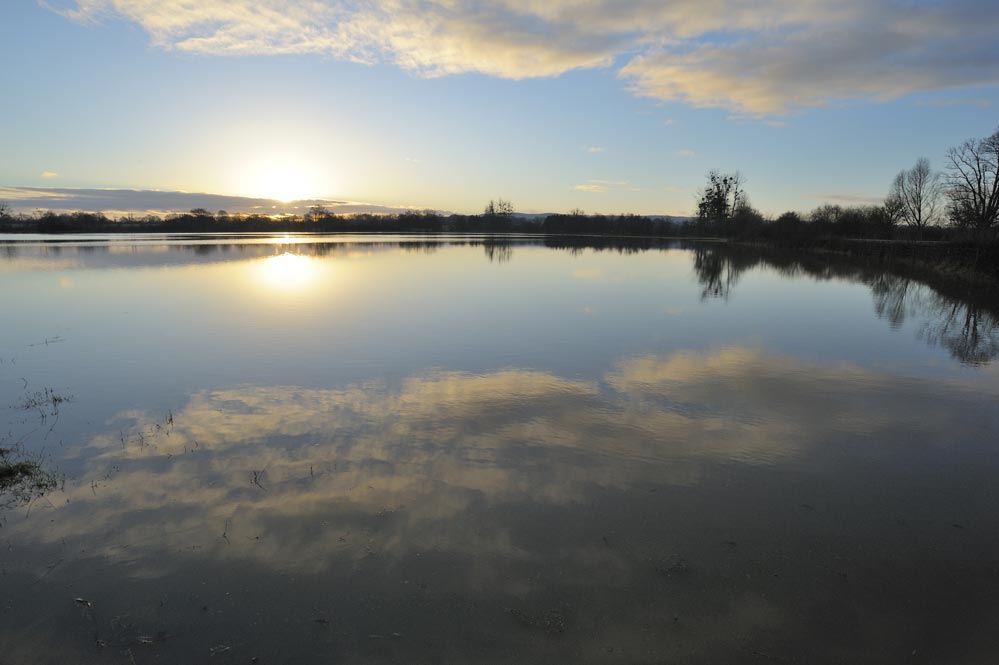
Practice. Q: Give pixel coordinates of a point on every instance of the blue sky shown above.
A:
(605, 106)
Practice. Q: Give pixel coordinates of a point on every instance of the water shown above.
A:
(395, 449)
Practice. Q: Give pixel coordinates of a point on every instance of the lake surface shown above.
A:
(499, 450)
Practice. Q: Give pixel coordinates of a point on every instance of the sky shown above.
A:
(609, 106)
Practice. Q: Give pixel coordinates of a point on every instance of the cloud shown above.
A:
(685, 153)
(853, 199)
(121, 201)
(876, 51)
(49, 175)
(594, 149)
(956, 101)
(601, 186)
(753, 58)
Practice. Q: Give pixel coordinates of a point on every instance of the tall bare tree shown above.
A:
(973, 182)
(892, 209)
(918, 190)
(721, 197)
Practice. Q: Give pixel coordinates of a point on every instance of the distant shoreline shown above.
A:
(951, 253)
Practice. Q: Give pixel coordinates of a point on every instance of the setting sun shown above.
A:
(280, 178)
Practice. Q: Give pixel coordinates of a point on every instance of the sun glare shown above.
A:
(284, 185)
(288, 272)
(280, 178)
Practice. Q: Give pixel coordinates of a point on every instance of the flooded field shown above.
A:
(219, 449)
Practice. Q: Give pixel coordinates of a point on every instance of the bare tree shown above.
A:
(318, 213)
(498, 208)
(4, 209)
(973, 182)
(892, 209)
(721, 197)
(918, 190)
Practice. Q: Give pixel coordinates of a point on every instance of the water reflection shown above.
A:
(498, 250)
(964, 322)
(290, 272)
(717, 271)
(258, 455)
(664, 498)
(429, 460)
(966, 328)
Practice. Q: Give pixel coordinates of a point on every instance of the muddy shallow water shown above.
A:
(395, 449)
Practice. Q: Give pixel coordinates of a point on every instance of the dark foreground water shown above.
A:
(356, 450)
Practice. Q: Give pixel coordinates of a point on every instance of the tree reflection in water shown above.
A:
(966, 324)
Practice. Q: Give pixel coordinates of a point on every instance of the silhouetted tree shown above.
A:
(892, 209)
(918, 189)
(4, 209)
(973, 183)
(318, 213)
(721, 197)
(499, 208)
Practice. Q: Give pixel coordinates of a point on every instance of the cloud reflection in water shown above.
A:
(439, 443)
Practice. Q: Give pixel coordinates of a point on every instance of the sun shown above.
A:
(280, 178)
(284, 183)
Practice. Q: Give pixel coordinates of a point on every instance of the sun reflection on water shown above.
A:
(289, 272)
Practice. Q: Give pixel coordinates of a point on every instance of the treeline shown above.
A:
(744, 223)
(321, 221)
(203, 221)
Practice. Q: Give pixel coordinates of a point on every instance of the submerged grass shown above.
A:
(22, 477)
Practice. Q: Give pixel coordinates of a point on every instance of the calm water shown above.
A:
(357, 450)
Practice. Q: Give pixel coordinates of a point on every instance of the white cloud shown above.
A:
(601, 186)
(852, 198)
(756, 58)
(685, 153)
(592, 188)
(594, 149)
